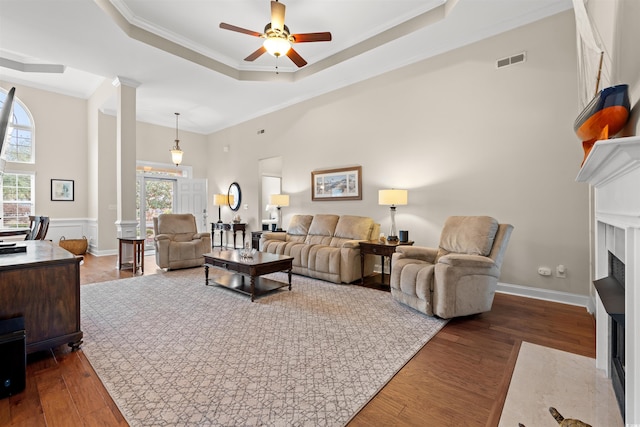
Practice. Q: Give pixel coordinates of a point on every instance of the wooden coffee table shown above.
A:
(247, 271)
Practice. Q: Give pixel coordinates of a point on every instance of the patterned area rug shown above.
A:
(545, 377)
(172, 351)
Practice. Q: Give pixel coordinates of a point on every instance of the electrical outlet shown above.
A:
(544, 271)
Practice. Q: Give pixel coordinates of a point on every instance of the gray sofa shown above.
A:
(324, 246)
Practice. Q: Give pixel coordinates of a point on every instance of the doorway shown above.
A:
(163, 188)
(271, 183)
(154, 197)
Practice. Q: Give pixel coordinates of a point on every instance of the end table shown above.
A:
(138, 253)
(383, 249)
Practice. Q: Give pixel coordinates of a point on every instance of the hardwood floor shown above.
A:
(459, 378)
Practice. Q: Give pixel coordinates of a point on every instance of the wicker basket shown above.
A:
(75, 246)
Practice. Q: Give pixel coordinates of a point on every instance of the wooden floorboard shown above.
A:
(459, 378)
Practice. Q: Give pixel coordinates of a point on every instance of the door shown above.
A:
(155, 196)
(192, 198)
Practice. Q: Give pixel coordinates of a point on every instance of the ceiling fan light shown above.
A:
(277, 46)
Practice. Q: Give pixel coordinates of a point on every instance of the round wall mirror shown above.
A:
(235, 196)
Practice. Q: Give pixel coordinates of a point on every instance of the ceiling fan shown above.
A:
(278, 39)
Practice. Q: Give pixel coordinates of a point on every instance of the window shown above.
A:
(17, 186)
(17, 199)
(19, 144)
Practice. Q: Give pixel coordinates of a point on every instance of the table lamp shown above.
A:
(220, 200)
(279, 200)
(392, 198)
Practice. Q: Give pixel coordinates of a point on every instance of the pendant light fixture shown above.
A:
(176, 152)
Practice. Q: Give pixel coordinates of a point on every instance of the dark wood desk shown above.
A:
(223, 227)
(7, 232)
(42, 285)
(383, 249)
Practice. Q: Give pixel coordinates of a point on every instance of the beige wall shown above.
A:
(61, 148)
(155, 142)
(463, 137)
(617, 25)
(74, 140)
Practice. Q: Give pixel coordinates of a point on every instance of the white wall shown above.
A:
(463, 137)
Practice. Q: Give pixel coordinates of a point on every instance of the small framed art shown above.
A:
(62, 190)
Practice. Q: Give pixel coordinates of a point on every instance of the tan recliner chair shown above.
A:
(178, 243)
(460, 277)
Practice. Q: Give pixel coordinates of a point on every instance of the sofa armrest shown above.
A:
(417, 252)
(274, 235)
(463, 260)
(159, 237)
(201, 235)
(352, 244)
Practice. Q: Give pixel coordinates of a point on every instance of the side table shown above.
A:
(223, 228)
(255, 239)
(138, 253)
(382, 249)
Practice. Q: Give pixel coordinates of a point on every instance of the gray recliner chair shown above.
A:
(460, 277)
(178, 243)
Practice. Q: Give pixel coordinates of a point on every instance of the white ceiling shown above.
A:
(205, 78)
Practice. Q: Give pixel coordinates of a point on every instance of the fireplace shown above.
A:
(612, 294)
(613, 169)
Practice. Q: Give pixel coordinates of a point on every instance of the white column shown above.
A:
(126, 224)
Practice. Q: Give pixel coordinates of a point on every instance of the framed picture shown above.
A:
(337, 184)
(62, 190)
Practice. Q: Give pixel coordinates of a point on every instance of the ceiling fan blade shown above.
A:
(277, 15)
(230, 27)
(255, 55)
(296, 58)
(311, 37)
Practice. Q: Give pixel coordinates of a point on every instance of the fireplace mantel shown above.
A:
(609, 160)
(613, 169)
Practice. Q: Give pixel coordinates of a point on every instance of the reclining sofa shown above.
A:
(324, 246)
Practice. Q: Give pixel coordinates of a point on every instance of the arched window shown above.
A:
(19, 144)
(17, 186)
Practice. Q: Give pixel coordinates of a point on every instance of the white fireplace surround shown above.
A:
(613, 169)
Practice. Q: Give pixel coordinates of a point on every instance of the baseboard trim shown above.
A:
(548, 295)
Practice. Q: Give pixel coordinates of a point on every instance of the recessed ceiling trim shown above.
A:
(416, 23)
(164, 44)
(427, 18)
(31, 68)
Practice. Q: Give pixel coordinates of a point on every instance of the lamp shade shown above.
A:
(220, 199)
(277, 46)
(279, 200)
(393, 197)
(176, 152)
(176, 155)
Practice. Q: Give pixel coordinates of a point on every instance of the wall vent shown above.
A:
(511, 60)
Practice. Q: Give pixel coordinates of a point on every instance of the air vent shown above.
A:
(515, 59)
